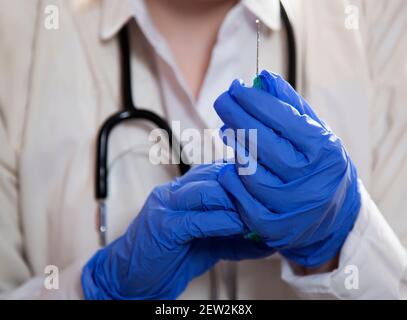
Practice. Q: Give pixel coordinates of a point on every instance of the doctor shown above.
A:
(58, 86)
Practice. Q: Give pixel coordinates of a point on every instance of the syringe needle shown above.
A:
(257, 46)
(257, 81)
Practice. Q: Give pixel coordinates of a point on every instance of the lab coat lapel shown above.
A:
(146, 94)
(339, 95)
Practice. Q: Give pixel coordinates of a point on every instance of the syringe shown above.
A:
(257, 81)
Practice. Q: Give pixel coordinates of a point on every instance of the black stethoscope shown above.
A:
(132, 112)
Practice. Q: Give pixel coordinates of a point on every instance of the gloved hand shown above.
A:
(303, 198)
(184, 228)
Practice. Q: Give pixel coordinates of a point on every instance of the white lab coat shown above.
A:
(57, 87)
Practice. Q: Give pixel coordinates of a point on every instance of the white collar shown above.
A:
(116, 13)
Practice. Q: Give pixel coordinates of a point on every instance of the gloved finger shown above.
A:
(277, 196)
(247, 161)
(277, 230)
(265, 187)
(301, 130)
(199, 173)
(273, 152)
(253, 213)
(274, 84)
(202, 195)
(184, 226)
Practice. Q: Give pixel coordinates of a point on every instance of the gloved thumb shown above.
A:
(191, 225)
(198, 196)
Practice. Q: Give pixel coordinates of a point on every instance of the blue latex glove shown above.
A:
(184, 228)
(303, 199)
